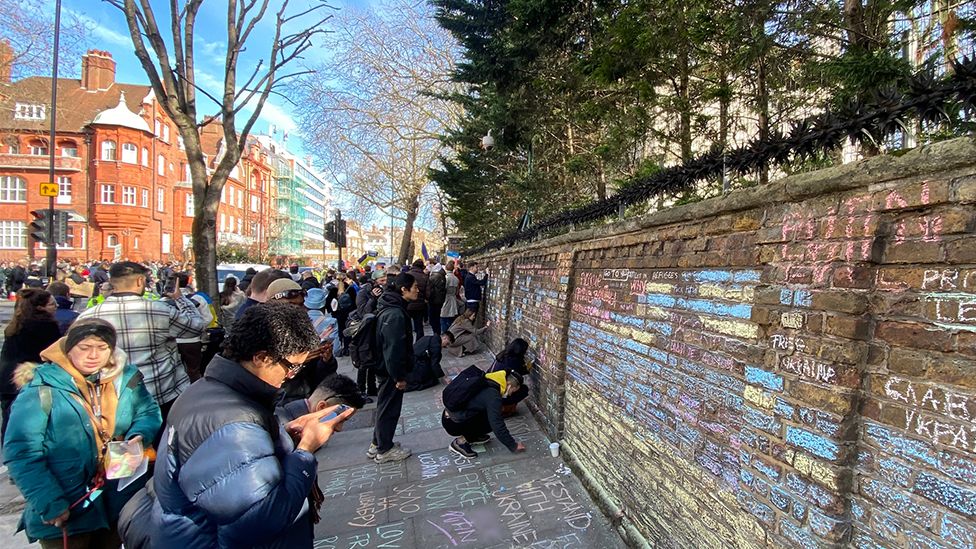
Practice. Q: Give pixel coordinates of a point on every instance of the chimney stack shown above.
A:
(97, 70)
(6, 62)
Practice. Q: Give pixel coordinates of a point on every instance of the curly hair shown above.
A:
(280, 329)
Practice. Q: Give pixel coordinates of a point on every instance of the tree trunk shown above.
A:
(684, 93)
(408, 231)
(762, 106)
(204, 235)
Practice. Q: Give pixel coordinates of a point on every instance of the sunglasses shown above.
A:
(289, 294)
(292, 367)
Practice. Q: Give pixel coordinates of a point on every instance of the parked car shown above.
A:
(236, 270)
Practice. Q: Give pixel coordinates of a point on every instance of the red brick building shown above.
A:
(116, 159)
(122, 171)
(245, 203)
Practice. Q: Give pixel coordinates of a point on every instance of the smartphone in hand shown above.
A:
(333, 414)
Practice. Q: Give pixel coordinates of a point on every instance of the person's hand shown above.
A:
(60, 520)
(519, 447)
(138, 438)
(313, 434)
(377, 291)
(401, 385)
(326, 350)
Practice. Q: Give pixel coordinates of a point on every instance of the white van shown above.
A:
(236, 270)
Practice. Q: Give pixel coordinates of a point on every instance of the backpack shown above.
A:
(346, 304)
(463, 388)
(364, 348)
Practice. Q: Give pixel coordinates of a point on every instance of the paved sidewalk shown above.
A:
(434, 499)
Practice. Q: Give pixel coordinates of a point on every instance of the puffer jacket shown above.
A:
(227, 474)
(52, 457)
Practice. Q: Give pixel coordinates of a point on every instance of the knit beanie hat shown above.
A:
(90, 327)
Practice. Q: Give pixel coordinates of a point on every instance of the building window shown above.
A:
(240, 226)
(145, 198)
(128, 195)
(160, 200)
(28, 111)
(161, 165)
(37, 148)
(135, 243)
(189, 205)
(159, 124)
(167, 243)
(13, 234)
(64, 189)
(112, 241)
(13, 189)
(108, 150)
(166, 133)
(108, 194)
(14, 145)
(223, 222)
(130, 153)
(254, 204)
(240, 198)
(145, 157)
(70, 149)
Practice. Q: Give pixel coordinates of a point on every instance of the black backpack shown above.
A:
(463, 388)
(364, 347)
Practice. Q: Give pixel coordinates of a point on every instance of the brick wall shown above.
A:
(792, 365)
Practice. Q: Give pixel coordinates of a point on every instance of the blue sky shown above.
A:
(109, 32)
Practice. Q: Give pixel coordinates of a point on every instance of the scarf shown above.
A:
(96, 394)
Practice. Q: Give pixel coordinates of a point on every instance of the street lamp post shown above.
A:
(52, 247)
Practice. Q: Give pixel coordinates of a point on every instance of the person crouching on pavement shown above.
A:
(482, 414)
(70, 407)
(228, 474)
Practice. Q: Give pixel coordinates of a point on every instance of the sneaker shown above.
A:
(373, 450)
(479, 440)
(397, 453)
(463, 450)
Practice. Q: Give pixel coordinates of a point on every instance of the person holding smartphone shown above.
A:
(228, 473)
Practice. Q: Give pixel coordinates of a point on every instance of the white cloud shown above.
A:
(99, 30)
(273, 114)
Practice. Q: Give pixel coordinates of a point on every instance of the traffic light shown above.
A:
(61, 226)
(40, 226)
(341, 236)
(330, 231)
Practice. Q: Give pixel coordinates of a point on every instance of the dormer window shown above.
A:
(29, 111)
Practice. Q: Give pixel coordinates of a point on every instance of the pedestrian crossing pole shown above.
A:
(340, 236)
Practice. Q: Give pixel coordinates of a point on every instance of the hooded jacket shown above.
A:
(437, 288)
(489, 402)
(227, 474)
(53, 457)
(395, 332)
(25, 346)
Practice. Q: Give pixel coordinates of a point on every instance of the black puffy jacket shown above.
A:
(227, 474)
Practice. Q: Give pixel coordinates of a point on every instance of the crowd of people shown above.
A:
(109, 364)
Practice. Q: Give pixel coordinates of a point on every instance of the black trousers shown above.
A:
(434, 317)
(474, 427)
(366, 381)
(389, 403)
(418, 323)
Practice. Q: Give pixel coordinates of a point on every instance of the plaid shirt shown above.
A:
(147, 333)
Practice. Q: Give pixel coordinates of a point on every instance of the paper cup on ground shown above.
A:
(554, 449)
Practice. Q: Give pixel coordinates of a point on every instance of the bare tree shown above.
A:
(28, 27)
(374, 112)
(171, 74)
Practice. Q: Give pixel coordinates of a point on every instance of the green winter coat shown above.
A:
(52, 456)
